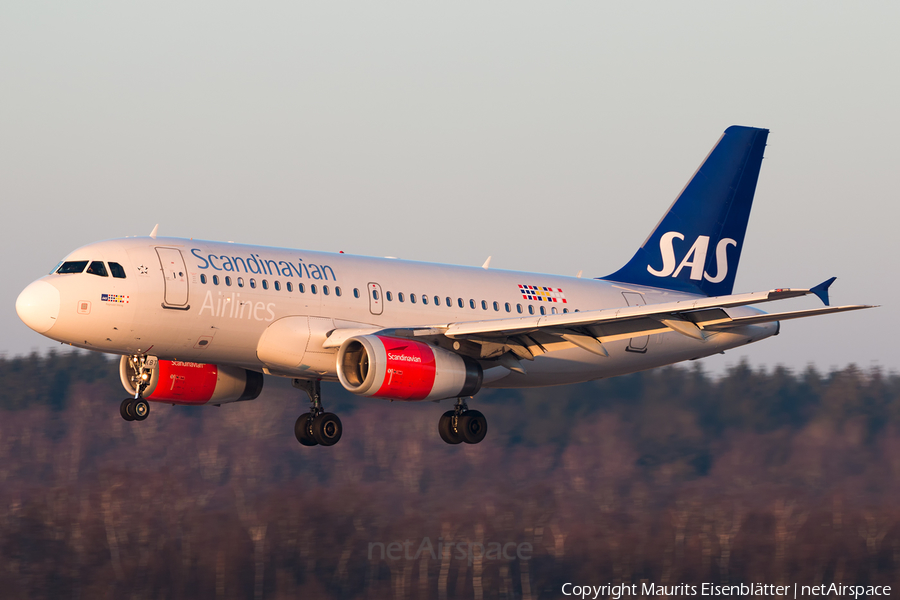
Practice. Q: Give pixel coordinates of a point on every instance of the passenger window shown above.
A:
(337, 291)
(412, 298)
(400, 296)
(424, 299)
(508, 308)
(496, 305)
(374, 294)
(228, 281)
(530, 309)
(389, 296)
(117, 271)
(289, 286)
(543, 311)
(252, 283)
(325, 290)
(356, 292)
(73, 266)
(553, 310)
(565, 310)
(471, 303)
(484, 305)
(277, 286)
(202, 278)
(449, 302)
(215, 280)
(437, 301)
(240, 282)
(97, 268)
(301, 288)
(313, 288)
(519, 308)
(460, 302)
(265, 283)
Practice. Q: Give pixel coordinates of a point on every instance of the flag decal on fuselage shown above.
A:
(542, 293)
(115, 298)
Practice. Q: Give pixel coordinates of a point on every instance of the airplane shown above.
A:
(200, 322)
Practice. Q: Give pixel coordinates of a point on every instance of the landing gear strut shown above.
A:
(318, 427)
(462, 425)
(137, 408)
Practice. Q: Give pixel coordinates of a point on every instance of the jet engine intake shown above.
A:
(179, 382)
(403, 369)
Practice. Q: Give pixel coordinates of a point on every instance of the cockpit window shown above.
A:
(98, 268)
(72, 266)
(117, 271)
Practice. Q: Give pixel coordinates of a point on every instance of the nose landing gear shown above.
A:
(318, 428)
(462, 425)
(137, 408)
(134, 409)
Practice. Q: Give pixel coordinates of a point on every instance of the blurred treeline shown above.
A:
(669, 476)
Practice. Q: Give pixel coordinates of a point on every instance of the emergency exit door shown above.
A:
(376, 302)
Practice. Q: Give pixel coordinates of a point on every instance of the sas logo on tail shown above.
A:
(695, 258)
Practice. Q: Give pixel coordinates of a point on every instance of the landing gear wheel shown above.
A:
(317, 428)
(445, 428)
(302, 430)
(140, 408)
(327, 429)
(124, 409)
(472, 427)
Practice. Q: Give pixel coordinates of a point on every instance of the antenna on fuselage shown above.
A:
(153, 233)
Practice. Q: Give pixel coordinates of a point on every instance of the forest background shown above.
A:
(670, 476)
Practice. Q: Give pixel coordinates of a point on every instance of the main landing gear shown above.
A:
(318, 428)
(134, 409)
(137, 408)
(462, 425)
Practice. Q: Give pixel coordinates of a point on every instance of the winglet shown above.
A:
(155, 229)
(487, 263)
(821, 290)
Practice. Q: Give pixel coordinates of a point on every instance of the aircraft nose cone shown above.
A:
(38, 306)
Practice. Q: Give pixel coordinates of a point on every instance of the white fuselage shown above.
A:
(191, 312)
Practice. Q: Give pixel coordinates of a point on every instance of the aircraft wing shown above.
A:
(696, 318)
(525, 337)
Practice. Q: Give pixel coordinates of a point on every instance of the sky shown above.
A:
(550, 136)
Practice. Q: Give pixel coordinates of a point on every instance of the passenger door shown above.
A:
(175, 277)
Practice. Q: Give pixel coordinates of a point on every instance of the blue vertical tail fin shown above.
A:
(697, 245)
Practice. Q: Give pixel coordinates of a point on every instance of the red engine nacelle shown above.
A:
(401, 369)
(180, 382)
